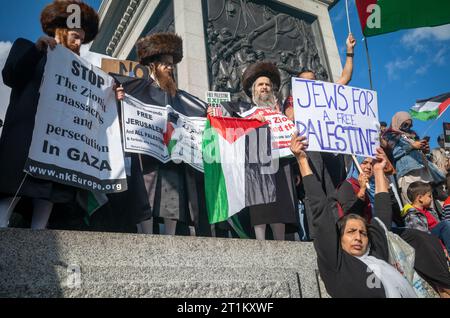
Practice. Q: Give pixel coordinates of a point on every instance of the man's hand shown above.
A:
(298, 146)
(259, 117)
(351, 43)
(120, 92)
(210, 111)
(44, 42)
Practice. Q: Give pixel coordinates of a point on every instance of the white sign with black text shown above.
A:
(162, 133)
(76, 138)
(281, 130)
(336, 118)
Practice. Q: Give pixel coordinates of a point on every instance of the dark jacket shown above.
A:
(343, 274)
(349, 201)
(173, 191)
(23, 73)
(430, 261)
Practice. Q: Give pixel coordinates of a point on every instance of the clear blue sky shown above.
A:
(20, 18)
(407, 65)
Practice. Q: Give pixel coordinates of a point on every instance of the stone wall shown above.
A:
(87, 264)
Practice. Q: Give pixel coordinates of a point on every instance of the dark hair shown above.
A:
(342, 222)
(383, 123)
(418, 188)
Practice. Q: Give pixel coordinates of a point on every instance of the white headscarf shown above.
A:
(395, 285)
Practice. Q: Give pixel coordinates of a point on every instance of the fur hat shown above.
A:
(259, 69)
(55, 16)
(158, 44)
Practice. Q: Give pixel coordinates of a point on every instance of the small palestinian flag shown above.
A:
(90, 202)
(169, 141)
(393, 15)
(431, 108)
(234, 177)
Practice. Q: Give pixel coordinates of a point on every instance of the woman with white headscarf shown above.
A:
(352, 255)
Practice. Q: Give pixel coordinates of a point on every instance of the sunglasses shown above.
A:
(406, 125)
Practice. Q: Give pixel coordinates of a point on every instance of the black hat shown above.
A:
(55, 16)
(160, 44)
(254, 71)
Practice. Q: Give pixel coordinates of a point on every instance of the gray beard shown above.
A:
(266, 101)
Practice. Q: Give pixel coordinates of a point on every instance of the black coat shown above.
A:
(173, 191)
(284, 209)
(343, 274)
(430, 261)
(23, 73)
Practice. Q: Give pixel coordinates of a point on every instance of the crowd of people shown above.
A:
(345, 205)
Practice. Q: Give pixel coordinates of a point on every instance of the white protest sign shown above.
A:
(336, 118)
(186, 140)
(162, 133)
(144, 128)
(281, 130)
(216, 98)
(76, 138)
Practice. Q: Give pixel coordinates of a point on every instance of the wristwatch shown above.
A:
(350, 54)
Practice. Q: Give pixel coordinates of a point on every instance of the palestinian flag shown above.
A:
(90, 202)
(233, 170)
(394, 15)
(169, 141)
(431, 108)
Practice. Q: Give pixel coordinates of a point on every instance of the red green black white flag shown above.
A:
(431, 108)
(384, 16)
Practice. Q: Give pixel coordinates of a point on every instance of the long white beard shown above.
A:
(268, 100)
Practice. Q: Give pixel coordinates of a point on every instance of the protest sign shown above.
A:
(76, 138)
(144, 128)
(186, 140)
(162, 133)
(124, 67)
(214, 99)
(336, 118)
(281, 130)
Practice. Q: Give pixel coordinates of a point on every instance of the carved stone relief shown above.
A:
(242, 32)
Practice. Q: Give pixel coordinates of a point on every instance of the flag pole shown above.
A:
(348, 17)
(358, 166)
(369, 63)
(429, 126)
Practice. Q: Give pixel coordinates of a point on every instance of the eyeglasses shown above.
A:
(406, 126)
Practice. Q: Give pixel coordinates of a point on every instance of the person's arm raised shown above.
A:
(383, 205)
(298, 146)
(322, 210)
(347, 73)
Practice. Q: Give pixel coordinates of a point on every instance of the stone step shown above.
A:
(87, 264)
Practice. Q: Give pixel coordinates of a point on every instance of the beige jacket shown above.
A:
(441, 160)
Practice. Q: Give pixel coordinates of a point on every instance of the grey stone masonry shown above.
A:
(90, 264)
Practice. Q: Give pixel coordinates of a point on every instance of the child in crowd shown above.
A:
(422, 217)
